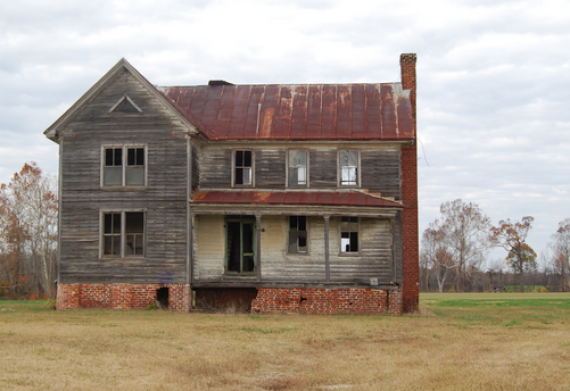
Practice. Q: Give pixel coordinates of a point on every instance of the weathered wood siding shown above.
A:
(381, 171)
(164, 198)
(374, 258)
(209, 248)
(380, 167)
(270, 168)
(215, 167)
(195, 174)
(280, 266)
(323, 167)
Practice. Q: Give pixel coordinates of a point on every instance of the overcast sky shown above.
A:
(493, 78)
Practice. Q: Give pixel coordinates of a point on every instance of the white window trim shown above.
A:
(339, 171)
(339, 235)
(307, 170)
(234, 168)
(125, 147)
(102, 214)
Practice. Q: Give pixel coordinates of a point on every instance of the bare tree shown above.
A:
(435, 254)
(560, 248)
(512, 236)
(458, 241)
(28, 237)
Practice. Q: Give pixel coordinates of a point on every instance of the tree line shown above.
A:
(455, 246)
(28, 234)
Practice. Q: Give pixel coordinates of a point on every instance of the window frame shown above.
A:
(288, 167)
(125, 148)
(358, 240)
(306, 252)
(234, 167)
(123, 234)
(358, 169)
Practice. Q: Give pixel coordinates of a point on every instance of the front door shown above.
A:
(240, 245)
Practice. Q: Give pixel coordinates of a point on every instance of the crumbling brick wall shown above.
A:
(120, 296)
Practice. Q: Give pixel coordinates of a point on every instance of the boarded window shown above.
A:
(348, 234)
(117, 173)
(297, 234)
(297, 167)
(348, 168)
(130, 234)
(243, 168)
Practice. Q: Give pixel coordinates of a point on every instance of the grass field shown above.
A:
(462, 342)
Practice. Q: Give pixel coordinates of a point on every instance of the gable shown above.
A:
(122, 92)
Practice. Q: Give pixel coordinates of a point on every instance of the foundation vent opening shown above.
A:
(162, 298)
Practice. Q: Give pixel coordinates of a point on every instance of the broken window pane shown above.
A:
(243, 164)
(349, 234)
(297, 167)
(348, 167)
(297, 234)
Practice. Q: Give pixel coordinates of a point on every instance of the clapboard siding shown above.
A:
(209, 248)
(164, 198)
(381, 171)
(374, 258)
(323, 168)
(270, 168)
(215, 167)
(280, 266)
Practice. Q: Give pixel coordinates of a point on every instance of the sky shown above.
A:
(493, 79)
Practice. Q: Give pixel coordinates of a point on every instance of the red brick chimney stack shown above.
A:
(409, 164)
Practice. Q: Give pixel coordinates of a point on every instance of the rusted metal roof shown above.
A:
(353, 198)
(297, 111)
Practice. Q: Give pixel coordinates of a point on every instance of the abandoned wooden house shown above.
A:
(274, 198)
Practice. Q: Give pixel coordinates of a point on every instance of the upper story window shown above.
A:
(348, 167)
(123, 234)
(297, 234)
(297, 167)
(243, 167)
(124, 166)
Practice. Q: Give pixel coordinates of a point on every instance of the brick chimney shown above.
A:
(408, 67)
(409, 178)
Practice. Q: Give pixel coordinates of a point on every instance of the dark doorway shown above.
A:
(240, 245)
(162, 298)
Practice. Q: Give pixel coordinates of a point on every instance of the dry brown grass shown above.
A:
(460, 348)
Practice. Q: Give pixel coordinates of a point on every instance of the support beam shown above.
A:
(327, 257)
(258, 247)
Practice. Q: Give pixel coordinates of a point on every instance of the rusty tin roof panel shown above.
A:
(298, 112)
(354, 198)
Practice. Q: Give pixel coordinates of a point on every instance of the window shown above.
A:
(348, 162)
(297, 167)
(243, 168)
(118, 171)
(123, 234)
(297, 234)
(348, 234)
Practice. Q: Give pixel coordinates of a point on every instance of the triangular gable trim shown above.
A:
(120, 101)
(53, 130)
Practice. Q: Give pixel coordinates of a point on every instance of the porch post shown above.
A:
(327, 260)
(258, 247)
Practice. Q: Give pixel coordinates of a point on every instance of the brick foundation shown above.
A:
(120, 296)
(326, 301)
(238, 300)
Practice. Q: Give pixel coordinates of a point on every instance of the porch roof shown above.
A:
(344, 198)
